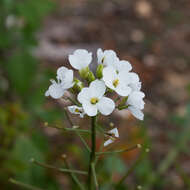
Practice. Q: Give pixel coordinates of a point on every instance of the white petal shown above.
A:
(56, 91)
(72, 109)
(100, 55)
(97, 88)
(134, 77)
(123, 90)
(61, 72)
(90, 109)
(136, 99)
(136, 112)
(110, 58)
(115, 132)
(84, 95)
(106, 106)
(109, 75)
(123, 65)
(135, 86)
(80, 59)
(47, 93)
(109, 141)
(124, 77)
(67, 81)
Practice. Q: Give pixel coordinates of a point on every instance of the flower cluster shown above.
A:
(112, 75)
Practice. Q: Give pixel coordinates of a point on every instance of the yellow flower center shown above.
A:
(77, 110)
(115, 82)
(94, 100)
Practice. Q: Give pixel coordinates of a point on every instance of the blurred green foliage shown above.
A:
(22, 94)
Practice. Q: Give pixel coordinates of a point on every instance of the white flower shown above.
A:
(114, 133)
(80, 59)
(92, 99)
(64, 81)
(135, 83)
(136, 104)
(117, 81)
(76, 110)
(107, 57)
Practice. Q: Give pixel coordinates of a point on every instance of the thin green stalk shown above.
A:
(70, 129)
(131, 169)
(94, 175)
(58, 169)
(18, 183)
(72, 174)
(118, 151)
(80, 136)
(92, 154)
(73, 101)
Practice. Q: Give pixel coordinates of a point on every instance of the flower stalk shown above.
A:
(91, 169)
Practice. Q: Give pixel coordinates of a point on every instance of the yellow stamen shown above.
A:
(77, 110)
(115, 82)
(103, 59)
(94, 100)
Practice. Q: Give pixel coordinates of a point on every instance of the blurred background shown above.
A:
(36, 37)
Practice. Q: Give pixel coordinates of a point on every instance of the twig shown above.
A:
(18, 183)
(58, 169)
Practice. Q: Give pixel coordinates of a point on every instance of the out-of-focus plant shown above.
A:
(113, 76)
(21, 98)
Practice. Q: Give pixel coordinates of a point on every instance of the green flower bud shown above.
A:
(99, 71)
(90, 77)
(78, 85)
(84, 72)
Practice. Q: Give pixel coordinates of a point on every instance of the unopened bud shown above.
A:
(99, 71)
(90, 77)
(78, 85)
(84, 72)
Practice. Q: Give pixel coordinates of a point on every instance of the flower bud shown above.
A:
(84, 72)
(123, 102)
(78, 86)
(90, 77)
(99, 71)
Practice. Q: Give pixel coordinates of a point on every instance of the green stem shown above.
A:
(23, 185)
(74, 101)
(93, 152)
(131, 169)
(77, 132)
(94, 175)
(117, 151)
(58, 169)
(70, 129)
(73, 176)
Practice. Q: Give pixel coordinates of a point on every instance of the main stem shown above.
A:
(92, 153)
